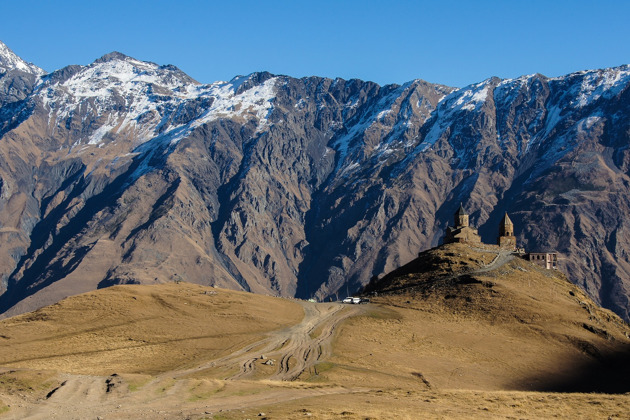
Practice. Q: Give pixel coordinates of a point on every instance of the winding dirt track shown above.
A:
(502, 258)
(294, 350)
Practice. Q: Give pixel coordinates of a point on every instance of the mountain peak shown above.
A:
(113, 56)
(243, 83)
(11, 61)
(120, 62)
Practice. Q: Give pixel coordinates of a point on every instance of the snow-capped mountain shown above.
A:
(9, 61)
(17, 77)
(127, 171)
(144, 100)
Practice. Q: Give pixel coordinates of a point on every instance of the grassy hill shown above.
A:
(141, 329)
(457, 333)
(460, 323)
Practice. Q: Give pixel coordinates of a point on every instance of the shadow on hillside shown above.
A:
(46, 260)
(607, 374)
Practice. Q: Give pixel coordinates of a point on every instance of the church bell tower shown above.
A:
(461, 218)
(506, 233)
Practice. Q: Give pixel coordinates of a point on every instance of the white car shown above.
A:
(353, 300)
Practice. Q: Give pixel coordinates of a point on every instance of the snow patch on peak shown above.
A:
(257, 101)
(253, 103)
(101, 77)
(472, 97)
(11, 61)
(509, 89)
(598, 83)
(517, 82)
(237, 82)
(467, 99)
(145, 99)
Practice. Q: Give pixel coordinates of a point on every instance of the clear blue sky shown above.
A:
(450, 42)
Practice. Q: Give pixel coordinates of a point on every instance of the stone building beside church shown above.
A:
(548, 260)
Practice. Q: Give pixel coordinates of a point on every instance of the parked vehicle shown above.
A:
(353, 300)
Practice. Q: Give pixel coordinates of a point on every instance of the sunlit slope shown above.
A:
(457, 333)
(460, 318)
(141, 329)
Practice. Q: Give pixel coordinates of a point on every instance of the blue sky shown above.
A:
(450, 42)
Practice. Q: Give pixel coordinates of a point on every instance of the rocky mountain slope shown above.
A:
(17, 77)
(126, 171)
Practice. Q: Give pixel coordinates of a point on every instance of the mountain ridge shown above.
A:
(9, 61)
(302, 186)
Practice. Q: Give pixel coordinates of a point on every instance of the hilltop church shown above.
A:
(462, 232)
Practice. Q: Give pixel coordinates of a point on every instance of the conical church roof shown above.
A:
(461, 211)
(506, 220)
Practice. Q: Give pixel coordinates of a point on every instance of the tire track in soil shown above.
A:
(298, 348)
(294, 347)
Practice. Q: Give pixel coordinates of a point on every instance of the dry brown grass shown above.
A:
(28, 383)
(454, 343)
(518, 327)
(140, 329)
(406, 404)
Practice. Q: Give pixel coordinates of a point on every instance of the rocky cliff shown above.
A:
(126, 171)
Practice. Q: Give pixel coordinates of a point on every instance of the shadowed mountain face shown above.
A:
(125, 171)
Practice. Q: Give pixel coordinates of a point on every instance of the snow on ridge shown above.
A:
(521, 80)
(375, 115)
(601, 83)
(507, 87)
(128, 76)
(236, 82)
(586, 86)
(256, 101)
(11, 61)
(564, 143)
(469, 98)
(393, 115)
(578, 90)
(142, 96)
(472, 97)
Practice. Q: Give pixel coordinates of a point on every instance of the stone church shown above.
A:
(462, 232)
(506, 239)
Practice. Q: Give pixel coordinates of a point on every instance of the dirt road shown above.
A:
(292, 350)
(287, 354)
(502, 258)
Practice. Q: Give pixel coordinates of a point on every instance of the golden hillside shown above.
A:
(457, 333)
(476, 319)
